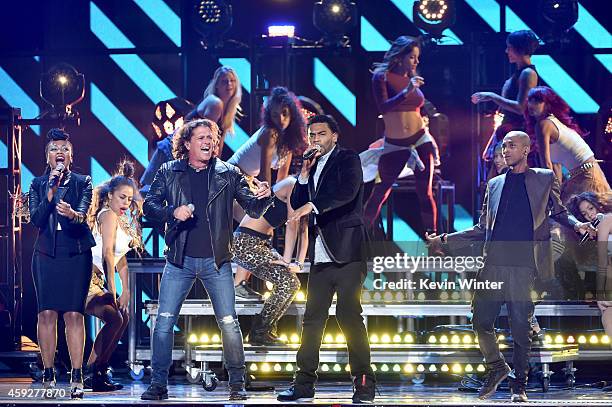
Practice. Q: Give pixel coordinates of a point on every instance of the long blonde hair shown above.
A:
(401, 46)
(232, 107)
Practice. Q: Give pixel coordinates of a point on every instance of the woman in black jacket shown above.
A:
(61, 264)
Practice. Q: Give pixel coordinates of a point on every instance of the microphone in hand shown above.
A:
(595, 222)
(55, 180)
(310, 153)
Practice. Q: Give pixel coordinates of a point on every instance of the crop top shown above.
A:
(388, 92)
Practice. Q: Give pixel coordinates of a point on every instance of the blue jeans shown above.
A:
(175, 285)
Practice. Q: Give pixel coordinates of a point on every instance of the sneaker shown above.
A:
(365, 387)
(237, 392)
(518, 393)
(296, 392)
(493, 379)
(245, 292)
(155, 392)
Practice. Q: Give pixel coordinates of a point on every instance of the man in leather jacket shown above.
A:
(193, 196)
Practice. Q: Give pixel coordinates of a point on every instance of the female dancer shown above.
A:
(282, 134)
(254, 252)
(396, 88)
(560, 142)
(585, 207)
(61, 264)
(220, 103)
(520, 45)
(113, 219)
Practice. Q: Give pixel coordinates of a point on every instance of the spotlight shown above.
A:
(168, 116)
(434, 16)
(559, 15)
(63, 87)
(309, 107)
(281, 31)
(335, 18)
(212, 19)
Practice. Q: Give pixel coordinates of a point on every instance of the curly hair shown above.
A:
(524, 42)
(402, 46)
(601, 202)
(555, 105)
(183, 135)
(293, 138)
(123, 176)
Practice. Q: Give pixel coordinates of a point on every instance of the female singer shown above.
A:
(113, 219)
(396, 86)
(61, 264)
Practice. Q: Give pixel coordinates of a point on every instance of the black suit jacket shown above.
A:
(338, 198)
(43, 215)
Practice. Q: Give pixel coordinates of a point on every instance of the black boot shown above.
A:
(76, 384)
(495, 376)
(49, 383)
(261, 333)
(108, 381)
(96, 379)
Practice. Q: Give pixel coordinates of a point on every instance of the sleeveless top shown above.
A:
(276, 215)
(248, 156)
(570, 149)
(388, 88)
(122, 244)
(510, 91)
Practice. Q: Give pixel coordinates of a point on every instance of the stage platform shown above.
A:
(328, 393)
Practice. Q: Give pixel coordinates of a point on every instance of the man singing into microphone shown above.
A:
(193, 196)
(331, 185)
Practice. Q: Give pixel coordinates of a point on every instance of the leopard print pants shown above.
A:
(256, 255)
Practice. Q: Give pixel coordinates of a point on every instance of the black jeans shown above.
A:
(324, 280)
(518, 282)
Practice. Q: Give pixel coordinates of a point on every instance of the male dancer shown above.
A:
(331, 185)
(515, 228)
(193, 196)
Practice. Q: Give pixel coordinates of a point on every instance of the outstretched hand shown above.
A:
(263, 189)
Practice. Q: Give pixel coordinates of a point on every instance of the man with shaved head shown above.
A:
(515, 227)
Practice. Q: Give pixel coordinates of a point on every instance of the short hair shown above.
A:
(520, 134)
(524, 42)
(183, 135)
(325, 118)
(56, 134)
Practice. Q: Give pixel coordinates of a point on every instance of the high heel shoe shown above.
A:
(76, 384)
(49, 383)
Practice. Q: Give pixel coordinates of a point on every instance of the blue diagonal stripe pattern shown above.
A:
(488, 10)
(98, 173)
(564, 85)
(163, 16)
(12, 93)
(406, 8)
(118, 125)
(131, 64)
(371, 39)
(238, 139)
(335, 91)
(592, 30)
(3, 155)
(606, 60)
(242, 66)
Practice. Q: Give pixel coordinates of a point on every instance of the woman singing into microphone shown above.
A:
(61, 264)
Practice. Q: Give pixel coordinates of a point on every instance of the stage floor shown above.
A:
(328, 393)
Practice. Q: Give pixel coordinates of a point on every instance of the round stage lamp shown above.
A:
(212, 19)
(169, 116)
(434, 16)
(62, 87)
(335, 18)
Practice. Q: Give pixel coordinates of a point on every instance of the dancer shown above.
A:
(397, 91)
(58, 202)
(515, 227)
(586, 206)
(254, 252)
(193, 196)
(113, 219)
(281, 135)
(331, 185)
(560, 142)
(520, 45)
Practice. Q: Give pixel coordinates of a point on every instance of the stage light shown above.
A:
(62, 87)
(281, 31)
(265, 367)
(216, 338)
(434, 16)
(456, 368)
(289, 367)
(397, 368)
(384, 368)
(467, 339)
(204, 338)
(443, 339)
(433, 368)
(295, 338)
(469, 368)
(385, 338)
(559, 15)
(277, 368)
(593, 340)
(340, 338)
(283, 338)
(432, 339)
(570, 339)
(408, 338)
(408, 368)
(420, 368)
(337, 368)
(374, 338)
(325, 367)
(374, 368)
(212, 19)
(253, 367)
(335, 18)
(328, 338)
(193, 338)
(558, 339)
(455, 339)
(444, 368)
(481, 369)
(605, 339)
(397, 338)
(300, 296)
(168, 116)
(347, 368)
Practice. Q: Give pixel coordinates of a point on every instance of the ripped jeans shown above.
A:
(175, 285)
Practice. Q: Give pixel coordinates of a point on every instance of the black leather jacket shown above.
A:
(43, 215)
(171, 188)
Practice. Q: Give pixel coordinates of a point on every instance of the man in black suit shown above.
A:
(331, 185)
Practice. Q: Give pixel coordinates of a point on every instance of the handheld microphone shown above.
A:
(312, 152)
(595, 222)
(59, 167)
(178, 221)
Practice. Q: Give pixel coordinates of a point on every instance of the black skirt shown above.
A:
(62, 281)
